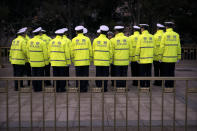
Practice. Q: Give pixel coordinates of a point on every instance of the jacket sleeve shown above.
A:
(110, 51)
(162, 46)
(130, 49)
(24, 49)
(67, 52)
(90, 49)
(179, 49)
(10, 55)
(72, 50)
(27, 49)
(93, 48)
(112, 48)
(45, 52)
(137, 52)
(49, 50)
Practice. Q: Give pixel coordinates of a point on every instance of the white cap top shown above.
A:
(80, 27)
(169, 22)
(98, 31)
(136, 27)
(22, 30)
(85, 30)
(43, 30)
(59, 31)
(104, 28)
(144, 25)
(160, 25)
(65, 29)
(37, 30)
(118, 27)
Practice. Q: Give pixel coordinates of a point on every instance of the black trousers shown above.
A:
(18, 72)
(67, 71)
(121, 71)
(145, 70)
(37, 84)
(157, 72)
(60, 71)
(168, 69)
(82, 71)
(47, 73)
(28, 71)
(112, 72)
(102, 71)
(135, 71)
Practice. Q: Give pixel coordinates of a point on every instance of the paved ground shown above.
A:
(183, 69)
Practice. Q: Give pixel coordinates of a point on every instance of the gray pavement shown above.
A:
(183, 69)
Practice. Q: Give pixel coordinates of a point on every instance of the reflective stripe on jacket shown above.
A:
(134, 38)
(158, 36)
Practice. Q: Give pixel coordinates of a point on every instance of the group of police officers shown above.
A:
(35, 56)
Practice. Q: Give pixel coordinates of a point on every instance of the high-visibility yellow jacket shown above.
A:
(27, 37)
(59, 52)
(170, 46)
(134, 38)
(37, 52)
(68, 42)
(81, 50)
(102, 51)
(121, 49)
(18, 51)
(46, 39)
(145, 48)
(157, 36)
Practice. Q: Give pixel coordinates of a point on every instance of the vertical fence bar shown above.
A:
(127, 105)
(114, 105)
(55, 123)
(79, 105)
(31, 110)
(0, 58)
(91, 88)
(174, 106)
(19, 105)
(162, 105)
(43, 105)
(103, 105)
(186, 104)
(67, 105)
(7, 106)
(138, 122)
(150, 108)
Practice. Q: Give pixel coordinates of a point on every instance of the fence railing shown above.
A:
(92, 90)
(188, 53)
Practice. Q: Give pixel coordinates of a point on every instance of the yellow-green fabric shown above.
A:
(81, 50)
(37, 52)
(59, 52)
(134, 38)
(145, 48)
(27, 37)
(157, 36)
(102, 51)
(68, 42)
(120, 49)
(46, 39)
(18, 51)
(170, 46)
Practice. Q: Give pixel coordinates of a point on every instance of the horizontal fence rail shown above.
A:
(115, 91)
(188, 53)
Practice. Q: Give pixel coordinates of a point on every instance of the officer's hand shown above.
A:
(177, 61)
(160, 61)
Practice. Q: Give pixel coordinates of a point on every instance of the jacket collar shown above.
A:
(37, 36)
(136, 33)
(120, 34)
(160, 31)
(169, 30)
(102, 35)
(58, 37)
(80, 34)
(145, 32)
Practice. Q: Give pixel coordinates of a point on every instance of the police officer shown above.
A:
(170, 53)
(144, 54)
(18, 55)
(46, 39)
(121, 53)
(81, 52)
(157, 67)
(102, 55)
(59, 54)
(134, 65)
(38, 57)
